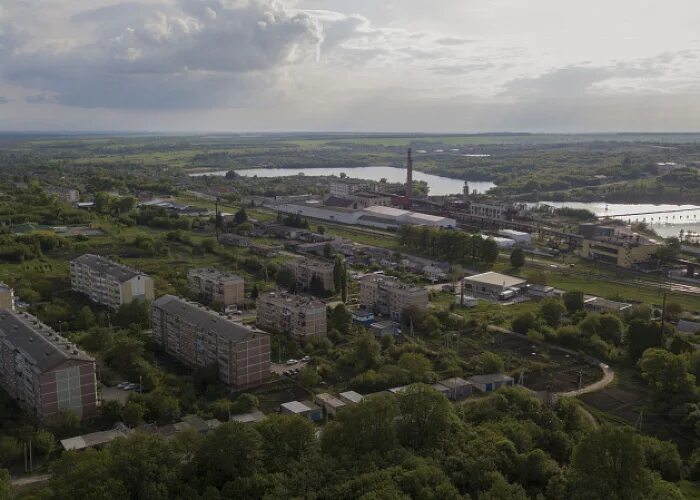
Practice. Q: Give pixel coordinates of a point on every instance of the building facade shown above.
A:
(303, 270)
(201, 337)
(43, 371)
(216, 287)
(617, 245)
(109, 283)
(388, 296)
(291, 314)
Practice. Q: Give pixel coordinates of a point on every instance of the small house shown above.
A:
(457, 388)
(305, 409)
(330, 404)
(382, 328)
(351, 397)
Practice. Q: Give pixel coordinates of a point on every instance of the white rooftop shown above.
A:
(295, 407)
(493, 278)
(353, 396)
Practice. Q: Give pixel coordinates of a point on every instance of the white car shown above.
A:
(292, 361)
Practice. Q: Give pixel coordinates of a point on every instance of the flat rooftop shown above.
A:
(495, 279)
(278, 298)
(215, 274)
(205, 318)
(103, 265)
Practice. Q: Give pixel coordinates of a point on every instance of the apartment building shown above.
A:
(617, 245)
(201, 337)
(216, 287)
(7, 297)
(43, 371)
(291, 314)
(107, 282)
(305, 269)
(388, 296)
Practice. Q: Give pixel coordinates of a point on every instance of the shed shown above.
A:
(351, 397)
(457, 387)
(491, 382)
(330, 404)
(382, 328)
(249, 418)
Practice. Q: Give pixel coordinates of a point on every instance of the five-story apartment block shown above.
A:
(216, 287)
(388, 296)
(201, 337)
(305, 269)
(291, 314)
(43, 371)
(107, 282)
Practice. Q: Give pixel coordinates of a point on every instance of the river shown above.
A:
(666, 220)
(438, 185)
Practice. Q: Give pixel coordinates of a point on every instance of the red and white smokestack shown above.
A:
(409, 175)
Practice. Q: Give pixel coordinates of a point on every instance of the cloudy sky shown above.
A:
(350, 65)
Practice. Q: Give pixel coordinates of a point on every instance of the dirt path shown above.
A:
(27, 480)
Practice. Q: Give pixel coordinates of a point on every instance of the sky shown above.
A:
(459, 66)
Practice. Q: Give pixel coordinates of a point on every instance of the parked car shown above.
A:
(292, 361)
(122, 385)
(306, 359)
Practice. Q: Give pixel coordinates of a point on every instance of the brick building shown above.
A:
(388, 296)
(107, 282)
(292, 314)
(43, 371)
(201, 337)
(305, 269)
(216, 286)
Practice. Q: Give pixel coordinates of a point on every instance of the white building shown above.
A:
(519, 237)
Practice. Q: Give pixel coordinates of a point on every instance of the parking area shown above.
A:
(286, 368)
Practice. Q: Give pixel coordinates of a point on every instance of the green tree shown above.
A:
(44, 442)
(489, 362)
(255, 292)
(10, 450)
(662, 457)
(609, 463)
(240, 217)
(133, 413)
(5, 485)
(523, 322)
(517, 258)
(308, 377)
(611, 328)
(551, 310)
(666, 373)
(285, 439)
(231, 451)
(63, 424)
(590, 325)
(426, 418)
(503, 490)
(86, 475)
(367, 353)
(316, 286)
(85, 318)
(573, 301)
(489, 251)
(419, 367)
(640, 336)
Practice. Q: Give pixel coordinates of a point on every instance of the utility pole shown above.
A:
(640, 420)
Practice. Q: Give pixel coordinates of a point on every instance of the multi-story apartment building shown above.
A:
(291, 314)
(388, 296)
(201, 337)
(305, 269)
(216, 287)
(107, 282)
(7, 297)
(617, 245)
(43, 371)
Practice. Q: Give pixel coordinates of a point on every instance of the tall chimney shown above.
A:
(409, 176)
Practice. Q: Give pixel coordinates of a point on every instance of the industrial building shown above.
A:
(388, 296)
(519, 237)
(491, 284)
(617, 245)
(201, 337)
(43, 371)
(303, 270)
(216, 287)
(291, 314)
(107, 282)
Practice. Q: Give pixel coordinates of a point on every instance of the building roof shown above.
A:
(37, 341)
(337, 201)
(329, 400)
(249, 418)
(93, 439)
(205, 318)
(215, 274)
(291, 300)
(391, 281)
(513, 232)
(102, 265)
(351, 396)
(455, 382)
(609, 305)
(493, 278)
(295, 407)
(490, 378)
(685, 326)
(311, 263)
